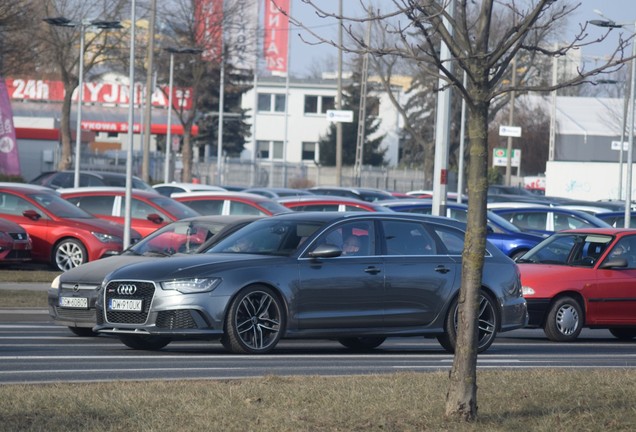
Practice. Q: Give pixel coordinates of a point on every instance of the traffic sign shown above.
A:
(500, 157)
(510, 131)
(341, 116)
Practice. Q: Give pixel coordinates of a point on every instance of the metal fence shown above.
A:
(246, 173)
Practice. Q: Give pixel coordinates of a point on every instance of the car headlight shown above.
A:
(56, 282)
(107, 238)
(191, 286)
(527, 291)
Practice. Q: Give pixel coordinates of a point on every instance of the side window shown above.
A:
(99, 205)
(354, 208)
(354, 238)
(451, 239)
(63, 180)
(14, 205)
(625, 248)
(206, 207)
(523, 220)
(240, 208)
(321, 207)
(408, 238)
(141, 210)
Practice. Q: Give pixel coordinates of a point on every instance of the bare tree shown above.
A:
(59, 49)
(485, 53)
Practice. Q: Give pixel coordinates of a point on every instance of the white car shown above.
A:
(168, 189)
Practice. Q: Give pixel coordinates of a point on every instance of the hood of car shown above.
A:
(102, 226)
(94, 272)
(201, 265)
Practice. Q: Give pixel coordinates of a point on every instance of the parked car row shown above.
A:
(266, 271)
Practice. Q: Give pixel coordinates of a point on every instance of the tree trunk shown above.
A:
(186, 154)
(65, 130)
(461, 399)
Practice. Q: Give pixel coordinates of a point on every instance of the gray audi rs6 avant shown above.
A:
(297, 276)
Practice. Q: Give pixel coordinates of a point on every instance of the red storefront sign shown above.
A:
(97, 93)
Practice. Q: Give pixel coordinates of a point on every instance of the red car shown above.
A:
(230, 203)
(15, 243)
(329, 203)
(149, 210)
(582, 278)
(62, 234)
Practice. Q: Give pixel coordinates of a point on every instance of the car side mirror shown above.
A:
(154, 218)
(31, 214)
(613, 263)
(326, 251)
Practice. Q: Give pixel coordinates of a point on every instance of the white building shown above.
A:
(306, 120)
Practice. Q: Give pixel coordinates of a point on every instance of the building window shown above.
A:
(277, 151)
(279, 103)
(262, 151)
(328, 103)
(309, 151)
(269, 150)
(271, 102)
(311, 104)
(318, 104)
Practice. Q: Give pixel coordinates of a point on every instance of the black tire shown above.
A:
(488, 325)
(144, 342)
(363, 343)
(255, 321)
(564, 321)
(83, 331)
(68, 253)
(623, 333)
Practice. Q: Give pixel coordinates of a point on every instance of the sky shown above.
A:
(306, 58)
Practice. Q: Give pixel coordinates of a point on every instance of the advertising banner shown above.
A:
(208, 18)
(9, 161)
(240, 27)
(276, 36)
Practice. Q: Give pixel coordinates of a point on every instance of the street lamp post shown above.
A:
(630, 146)
(83, 25)
(173, 51)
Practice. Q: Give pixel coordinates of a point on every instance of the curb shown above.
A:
(28, 286)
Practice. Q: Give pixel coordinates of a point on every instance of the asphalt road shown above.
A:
(34, 350)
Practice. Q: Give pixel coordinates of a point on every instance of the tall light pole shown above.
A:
(131, 125)
(630, 146)
(83, 25)
(173, 51)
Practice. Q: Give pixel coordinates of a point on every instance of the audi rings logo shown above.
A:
(126, 289)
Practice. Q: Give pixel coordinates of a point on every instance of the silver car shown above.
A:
(288, 276)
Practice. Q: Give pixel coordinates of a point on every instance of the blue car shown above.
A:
(501, 233)
(617, 218)
(545, 220)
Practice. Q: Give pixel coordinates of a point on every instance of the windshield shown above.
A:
(177, 237)
(59, 206)
(579, 249)
(268, 237)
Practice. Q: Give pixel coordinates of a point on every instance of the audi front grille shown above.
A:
(143, 291)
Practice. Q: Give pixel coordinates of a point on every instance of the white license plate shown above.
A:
(124, 305)
(74, 302)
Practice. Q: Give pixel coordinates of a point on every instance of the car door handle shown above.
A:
(372, 270)
(441, 269)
